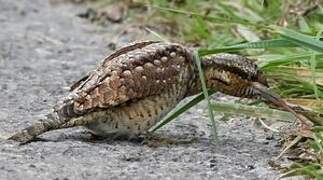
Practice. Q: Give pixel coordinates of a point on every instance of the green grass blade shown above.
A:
(313, 75)
(232, 108)
(274, 43)
(300, 39)
(215, 19)
(205, 92)
(313, 69)
(286, 59)
(318, 143)
(180, 109)
(184, 107)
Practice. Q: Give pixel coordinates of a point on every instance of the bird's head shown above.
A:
(239, 76)
(233, 75)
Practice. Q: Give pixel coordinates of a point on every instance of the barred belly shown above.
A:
(132, 118)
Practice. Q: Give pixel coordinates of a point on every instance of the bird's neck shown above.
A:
(195, 86)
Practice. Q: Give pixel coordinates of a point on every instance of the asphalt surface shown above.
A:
(44, 47)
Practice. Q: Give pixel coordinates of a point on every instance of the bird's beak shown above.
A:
(264, 92)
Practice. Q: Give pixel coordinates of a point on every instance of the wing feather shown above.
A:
(134, 72)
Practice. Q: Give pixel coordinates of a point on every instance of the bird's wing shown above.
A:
(133, 72)
(111, 56)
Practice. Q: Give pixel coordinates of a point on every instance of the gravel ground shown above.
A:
(44, 47)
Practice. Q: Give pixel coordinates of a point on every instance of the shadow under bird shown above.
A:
(137, 85)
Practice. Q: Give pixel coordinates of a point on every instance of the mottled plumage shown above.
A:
(133, 88)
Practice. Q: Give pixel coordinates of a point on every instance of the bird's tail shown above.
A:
(52, 121)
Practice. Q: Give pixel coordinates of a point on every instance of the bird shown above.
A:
(133, 88)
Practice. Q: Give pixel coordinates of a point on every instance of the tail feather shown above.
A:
(52, 121)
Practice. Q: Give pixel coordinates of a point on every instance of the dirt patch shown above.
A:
(43, 49)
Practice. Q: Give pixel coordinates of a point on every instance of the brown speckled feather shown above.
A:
(136, 73)
(133, 88)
